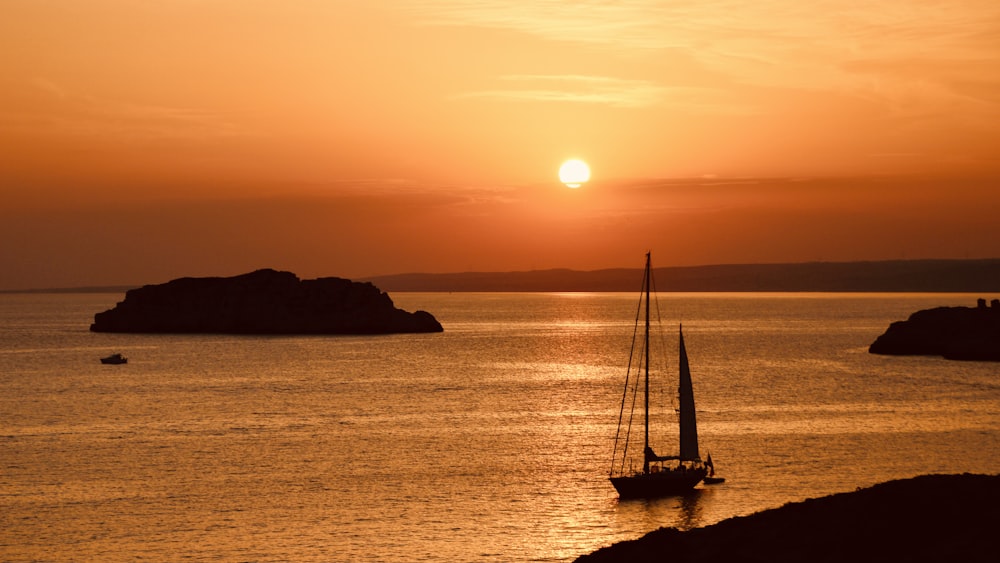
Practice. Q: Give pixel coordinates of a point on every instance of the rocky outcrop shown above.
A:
(261, 302)
(957, 333)
(931, 518)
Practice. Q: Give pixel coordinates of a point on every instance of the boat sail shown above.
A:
(657, 478)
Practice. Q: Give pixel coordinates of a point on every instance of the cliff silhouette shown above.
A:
(261, 302)
(956, 333)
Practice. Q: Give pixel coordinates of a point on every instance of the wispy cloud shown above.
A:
(612, 92)
(574, 88)
(626, 23)
(768, 43)
(39, 105)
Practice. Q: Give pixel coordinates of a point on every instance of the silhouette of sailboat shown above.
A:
(657, 478)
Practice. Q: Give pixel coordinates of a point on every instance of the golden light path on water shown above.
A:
(489, 442)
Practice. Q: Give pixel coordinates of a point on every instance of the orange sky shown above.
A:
(143, 141)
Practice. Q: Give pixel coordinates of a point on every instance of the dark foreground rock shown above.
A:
(931, 518)
(957, 333)
(261, 302)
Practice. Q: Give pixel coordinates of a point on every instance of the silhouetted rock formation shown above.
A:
(261, 302)
(957, 333)
(931, 518)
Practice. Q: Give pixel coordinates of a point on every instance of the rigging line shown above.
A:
(631, 414)
(621, 415)
(631, 417)
(628, 375)
(661, 337)
(635, 381)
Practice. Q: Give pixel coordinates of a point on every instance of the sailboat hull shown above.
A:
(660, 484)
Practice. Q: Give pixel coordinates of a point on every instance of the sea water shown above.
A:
(489, 442)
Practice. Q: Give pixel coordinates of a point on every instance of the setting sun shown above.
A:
(574, 173)
(865, 136)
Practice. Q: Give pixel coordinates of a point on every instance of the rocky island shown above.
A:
(930, 518)
(956, 333)
(261, 302)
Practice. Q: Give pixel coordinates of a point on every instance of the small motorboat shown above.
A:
(114, 359)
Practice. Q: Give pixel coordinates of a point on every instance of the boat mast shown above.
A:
(645, 456)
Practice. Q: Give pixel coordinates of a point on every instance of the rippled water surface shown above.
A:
(488, 442)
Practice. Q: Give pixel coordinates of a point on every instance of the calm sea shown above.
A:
(488, 442)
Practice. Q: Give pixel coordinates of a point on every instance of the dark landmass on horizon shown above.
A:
(934, 276)
(87, 289)
(929, 518)
(894, 276)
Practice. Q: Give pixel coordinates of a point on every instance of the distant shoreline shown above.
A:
(896, 276)
(888, 276)
(107, 289)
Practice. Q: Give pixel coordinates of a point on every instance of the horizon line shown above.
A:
(110, 288)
